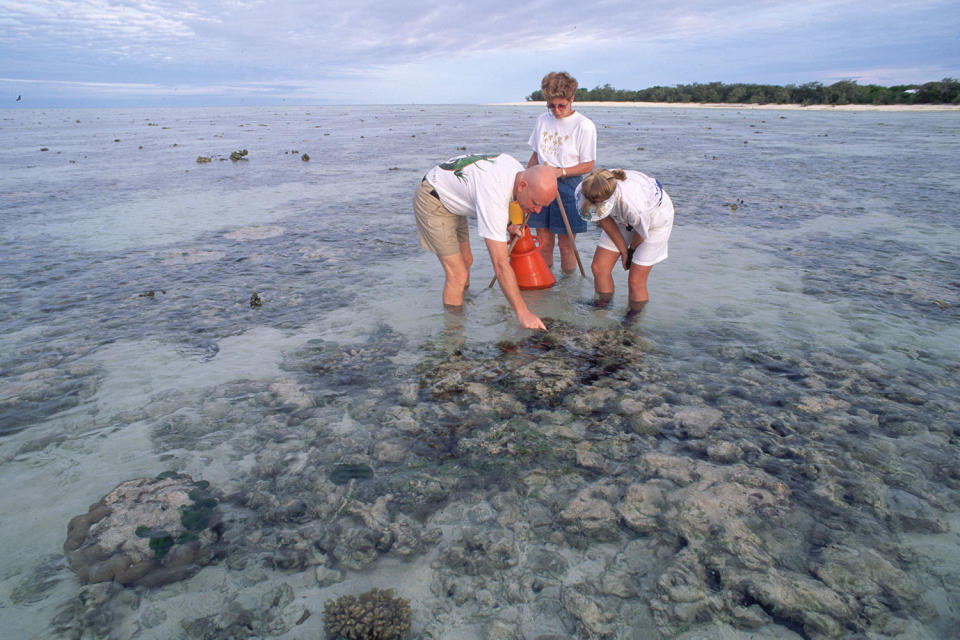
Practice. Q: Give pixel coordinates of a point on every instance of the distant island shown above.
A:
(845, 92)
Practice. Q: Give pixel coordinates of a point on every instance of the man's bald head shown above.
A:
(535, 187)
(543, 180)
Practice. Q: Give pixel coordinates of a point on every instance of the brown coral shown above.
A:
(374, 615)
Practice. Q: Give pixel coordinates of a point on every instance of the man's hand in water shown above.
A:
(530, 320)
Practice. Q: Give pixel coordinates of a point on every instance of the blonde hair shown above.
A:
(601, 183)
(559, 84)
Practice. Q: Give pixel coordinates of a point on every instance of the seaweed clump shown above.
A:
(344, 473)
(374, 615)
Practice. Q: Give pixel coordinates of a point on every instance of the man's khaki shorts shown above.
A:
(439, 230)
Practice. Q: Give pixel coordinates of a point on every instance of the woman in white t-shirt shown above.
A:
(566, 141)
(636, 216)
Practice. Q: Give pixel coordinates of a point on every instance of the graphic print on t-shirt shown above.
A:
(459, 163)
(551, 143)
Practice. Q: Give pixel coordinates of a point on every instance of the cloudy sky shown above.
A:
(63, 53)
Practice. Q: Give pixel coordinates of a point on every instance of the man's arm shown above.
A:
(509, 286)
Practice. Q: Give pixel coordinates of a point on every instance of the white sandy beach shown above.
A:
(771, 107)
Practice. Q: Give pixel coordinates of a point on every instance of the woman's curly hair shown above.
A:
(559, 84)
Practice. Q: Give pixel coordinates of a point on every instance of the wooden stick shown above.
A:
(566, 223)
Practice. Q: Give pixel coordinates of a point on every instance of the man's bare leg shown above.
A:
(467, 256)
(457, 276)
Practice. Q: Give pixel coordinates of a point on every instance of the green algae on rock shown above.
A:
(146, 532)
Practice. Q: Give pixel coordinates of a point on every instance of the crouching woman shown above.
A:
(636, 216)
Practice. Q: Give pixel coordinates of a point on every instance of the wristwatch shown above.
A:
(563, 172)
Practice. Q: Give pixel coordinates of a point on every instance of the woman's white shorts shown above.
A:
(654, 248)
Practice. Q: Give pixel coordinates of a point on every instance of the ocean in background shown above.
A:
(801, 346)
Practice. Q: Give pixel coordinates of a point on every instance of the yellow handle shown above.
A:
(516, 213)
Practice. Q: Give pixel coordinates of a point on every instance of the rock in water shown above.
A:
(149, 531)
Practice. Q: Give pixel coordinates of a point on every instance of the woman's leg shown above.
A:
(547, 242)
(568, 254)
(637, 284)
(602, 267)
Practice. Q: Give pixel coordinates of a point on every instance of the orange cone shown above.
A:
(528, 264)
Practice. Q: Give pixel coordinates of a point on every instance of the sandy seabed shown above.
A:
(772, 107)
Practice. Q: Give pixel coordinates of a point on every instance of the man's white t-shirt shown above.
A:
(564, 142)
(480, 185)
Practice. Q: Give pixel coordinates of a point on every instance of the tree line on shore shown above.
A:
(946, 91)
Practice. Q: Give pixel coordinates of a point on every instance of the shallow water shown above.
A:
(129, 345)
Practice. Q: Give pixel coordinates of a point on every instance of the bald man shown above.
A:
(484, 186)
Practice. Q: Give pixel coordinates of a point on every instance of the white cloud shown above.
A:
(332, 48)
